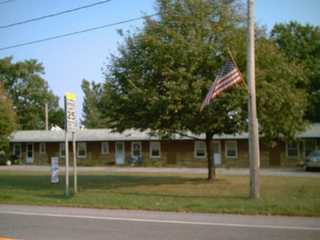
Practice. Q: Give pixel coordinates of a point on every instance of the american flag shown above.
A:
(228, 76)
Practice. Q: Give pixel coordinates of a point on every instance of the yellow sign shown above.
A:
(70, 96)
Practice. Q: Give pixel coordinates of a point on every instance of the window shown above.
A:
(292, 150)
(155, 149)
(231, 149)
(62, 150)
(200, 149)
(17, 150)
(104, 148)
(82, 150)
(42, 148)
(135, 149)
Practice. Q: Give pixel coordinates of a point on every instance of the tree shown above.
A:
(163, 72)
(7, 120)
(301, 44)
(29, 92)
(90, 107)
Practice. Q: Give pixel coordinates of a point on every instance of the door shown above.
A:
(217, 153)
(120, 153)
(275, 156)
(29, 153)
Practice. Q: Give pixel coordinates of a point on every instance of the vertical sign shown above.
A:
(54, 170)
(70, 108)
(70, 126)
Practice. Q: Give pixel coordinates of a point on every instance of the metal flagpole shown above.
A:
(254, 152)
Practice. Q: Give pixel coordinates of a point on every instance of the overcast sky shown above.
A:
(67, 61)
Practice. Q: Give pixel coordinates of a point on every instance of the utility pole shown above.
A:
(254, 151)
(46, 116)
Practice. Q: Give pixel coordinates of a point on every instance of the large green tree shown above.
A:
(163, 71)
(29, 92)
(7, 119)
(91, 117)
(301, 43)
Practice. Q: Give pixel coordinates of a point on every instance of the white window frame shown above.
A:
(44, 148)
(85, 150)
(140, 152)
(227, 148)
(156, 145)
(61, 146)
(298, 150)
(14, 149)
(196, 147)
(102, 148)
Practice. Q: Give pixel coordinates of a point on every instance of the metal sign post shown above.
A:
(70, 126)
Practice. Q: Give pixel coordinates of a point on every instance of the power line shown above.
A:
(75, 33)
(53, 14)
(7, 1)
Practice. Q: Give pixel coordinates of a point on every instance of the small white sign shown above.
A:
(54, 170)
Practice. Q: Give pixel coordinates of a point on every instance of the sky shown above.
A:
(69, 60)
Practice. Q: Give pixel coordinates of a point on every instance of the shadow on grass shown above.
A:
(183, 196)
(42, 186)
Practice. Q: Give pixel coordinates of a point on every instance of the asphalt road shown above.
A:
(26, 222)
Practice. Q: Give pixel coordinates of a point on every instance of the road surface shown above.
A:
(27, 222)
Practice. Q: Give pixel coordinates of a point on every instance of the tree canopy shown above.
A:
(29, 92)
(301, 43)
(7, 119)
(91, 117)
(163, 71)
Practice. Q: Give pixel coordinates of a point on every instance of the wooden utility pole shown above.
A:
(254, 151)
(46, 116)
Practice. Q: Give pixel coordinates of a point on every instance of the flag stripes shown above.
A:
(229, 75)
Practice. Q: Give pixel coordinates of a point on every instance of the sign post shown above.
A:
(70, 126)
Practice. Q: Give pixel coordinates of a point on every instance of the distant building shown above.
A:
(104, 147)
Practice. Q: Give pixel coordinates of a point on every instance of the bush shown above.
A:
(3, 158)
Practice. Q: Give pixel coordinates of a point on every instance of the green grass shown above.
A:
(187, 193)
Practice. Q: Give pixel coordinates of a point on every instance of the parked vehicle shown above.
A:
(312, 160)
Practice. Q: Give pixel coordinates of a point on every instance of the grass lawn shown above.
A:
(164, 192)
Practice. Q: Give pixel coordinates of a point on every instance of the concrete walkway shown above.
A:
(297, 172)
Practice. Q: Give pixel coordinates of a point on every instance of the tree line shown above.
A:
(23, 94)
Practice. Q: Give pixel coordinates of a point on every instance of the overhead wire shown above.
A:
(76, 32)
(52, 14)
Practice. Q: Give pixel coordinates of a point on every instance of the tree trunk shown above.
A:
(211, 167)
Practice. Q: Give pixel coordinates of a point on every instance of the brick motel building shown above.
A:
(98, 147)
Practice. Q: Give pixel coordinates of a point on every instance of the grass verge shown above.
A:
(298, 196)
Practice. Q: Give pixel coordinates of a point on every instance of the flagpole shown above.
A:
(254, 151)
(235, 63)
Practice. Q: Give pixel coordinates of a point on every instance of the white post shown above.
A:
(67, 162)
(46, 116)
(75, 182)
(254, 152)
